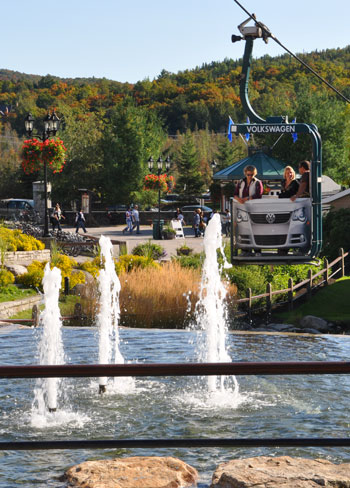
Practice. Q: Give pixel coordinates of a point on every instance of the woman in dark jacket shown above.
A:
(289, 183)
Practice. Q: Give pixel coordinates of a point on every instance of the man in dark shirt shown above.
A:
(304, 187)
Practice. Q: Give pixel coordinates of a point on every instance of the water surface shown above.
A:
(269, 406)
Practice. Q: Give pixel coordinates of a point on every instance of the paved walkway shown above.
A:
(146, 234)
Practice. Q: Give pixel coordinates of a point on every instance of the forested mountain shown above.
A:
(197, 101)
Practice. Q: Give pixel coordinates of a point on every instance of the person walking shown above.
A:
(196, 222)
(80, 222)
(227, 223)
(136, 219)
(128, 219)
(56, 218)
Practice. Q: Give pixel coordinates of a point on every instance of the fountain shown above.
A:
(50, 346)
(162, 407)
(108, 317)
(211, 312)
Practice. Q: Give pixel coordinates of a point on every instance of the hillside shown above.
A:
(111, 128)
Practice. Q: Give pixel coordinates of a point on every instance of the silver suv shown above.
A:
(273, 223)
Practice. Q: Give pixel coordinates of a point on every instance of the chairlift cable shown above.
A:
(292, 54)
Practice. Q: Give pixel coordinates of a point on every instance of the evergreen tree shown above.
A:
(190, 181)
(132, 136)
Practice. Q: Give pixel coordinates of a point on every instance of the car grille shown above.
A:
(270, 240)
(280, 218)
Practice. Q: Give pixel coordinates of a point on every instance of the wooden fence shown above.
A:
(304, 289)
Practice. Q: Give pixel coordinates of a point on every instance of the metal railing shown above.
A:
(176, 369)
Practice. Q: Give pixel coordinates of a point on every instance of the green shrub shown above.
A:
(93, 267)
(149, 250)
(245, 277)
(6, 278)
(194, 261)
(127, 262)
(336, 233)
(34, 276)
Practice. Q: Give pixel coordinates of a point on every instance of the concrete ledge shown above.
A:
(7, 309)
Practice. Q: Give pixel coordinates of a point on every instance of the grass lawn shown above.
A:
(331, 303)
(11, 292)
(66, 305)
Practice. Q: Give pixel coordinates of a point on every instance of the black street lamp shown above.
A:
(51, 126)
(159, 172)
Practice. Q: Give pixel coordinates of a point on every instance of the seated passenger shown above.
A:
(304, 187)
(290, 185)
(250, 187)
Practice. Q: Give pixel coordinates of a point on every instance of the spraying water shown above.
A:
(50, 346)
(211, 311)
(108, 317)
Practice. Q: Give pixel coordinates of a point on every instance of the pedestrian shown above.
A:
(202, 222)
(56, 218)
(136, 219)
(128, 220)
(80, 222)
(196, 222)
(227, 227)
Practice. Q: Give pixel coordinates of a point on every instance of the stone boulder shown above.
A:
(311, 322)
(132, 472)
(16, 269)
(281, 472)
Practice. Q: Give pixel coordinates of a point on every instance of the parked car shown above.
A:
(117, 207)
(192, 208)
(18, 208)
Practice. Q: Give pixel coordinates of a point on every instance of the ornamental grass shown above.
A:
(161, 298)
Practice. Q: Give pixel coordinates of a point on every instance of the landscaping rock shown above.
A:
(280, 472)
(311, 322)
(133, 472)
(16, 269)
(280, 327)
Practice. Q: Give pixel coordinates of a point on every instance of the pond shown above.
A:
(170, 407)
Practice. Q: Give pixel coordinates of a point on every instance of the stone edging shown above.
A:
(11, 308)
(20, 257)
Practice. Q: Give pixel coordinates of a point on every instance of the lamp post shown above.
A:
(159, 172)
(51, 126)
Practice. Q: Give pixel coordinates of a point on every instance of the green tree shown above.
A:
(132, 135)
(82, 136)
(190, 181)
(336, 232)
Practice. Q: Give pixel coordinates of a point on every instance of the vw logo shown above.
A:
(270, 218)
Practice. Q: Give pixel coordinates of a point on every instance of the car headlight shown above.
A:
(242, 216)
(299, 214)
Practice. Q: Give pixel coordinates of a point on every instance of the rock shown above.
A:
(16, 269)
(309, 331)
(132, 472)
(280, 472)
(311, 322)
(280, 327)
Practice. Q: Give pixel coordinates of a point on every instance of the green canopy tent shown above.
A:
(268, 168)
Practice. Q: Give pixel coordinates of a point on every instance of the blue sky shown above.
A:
(130, 40)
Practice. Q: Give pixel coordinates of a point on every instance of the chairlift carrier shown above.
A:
(276, 125)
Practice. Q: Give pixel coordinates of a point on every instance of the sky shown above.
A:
(132, 40)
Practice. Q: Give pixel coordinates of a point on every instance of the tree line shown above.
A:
(111, 129)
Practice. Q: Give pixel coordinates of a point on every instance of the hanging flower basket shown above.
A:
(171, 183)
(54, 153)
(163, 183)
(155, 182)
(31, 156)
(35, 153)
